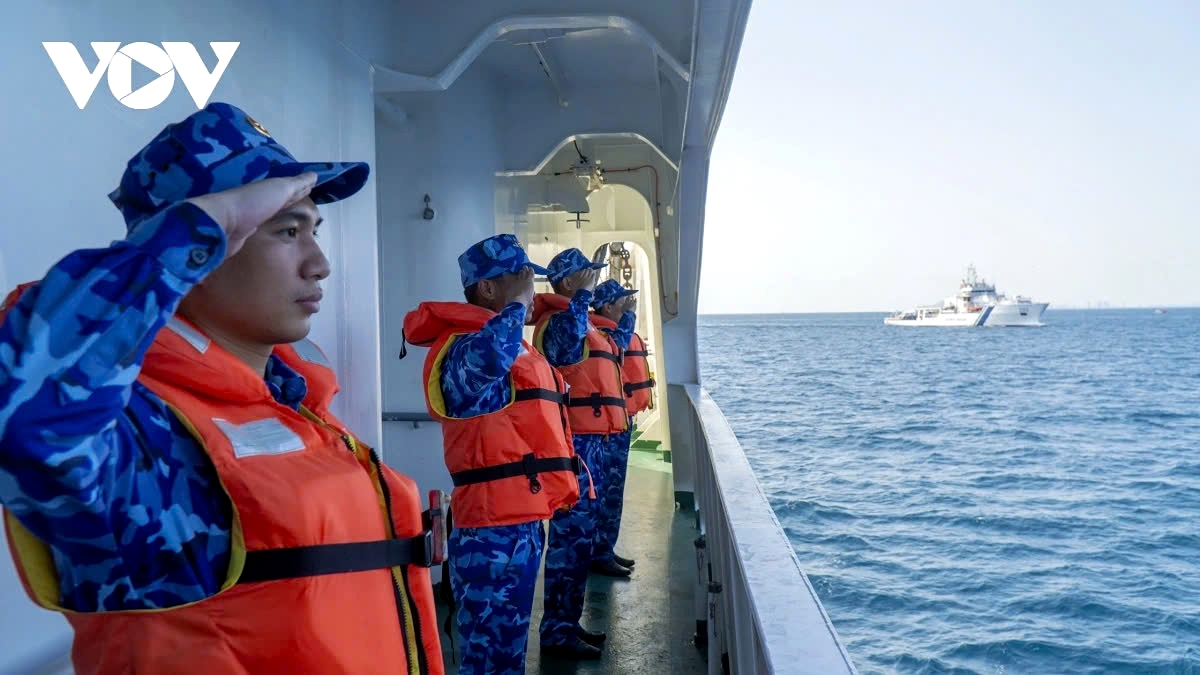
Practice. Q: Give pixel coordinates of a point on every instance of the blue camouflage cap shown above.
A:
(569, 262)
(214, 149)
(609, 291)
(493, 257)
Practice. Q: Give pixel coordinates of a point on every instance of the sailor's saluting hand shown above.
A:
(240, 210)
(584, 279)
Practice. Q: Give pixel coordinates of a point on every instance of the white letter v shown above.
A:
(199, 82)
(80, 82)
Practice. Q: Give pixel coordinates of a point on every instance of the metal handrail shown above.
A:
(761, 613)
(415, 417)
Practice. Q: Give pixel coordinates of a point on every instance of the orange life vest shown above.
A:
(515, 465)
(596, 403)
(635, 373)
(635, 370)
(300, 484)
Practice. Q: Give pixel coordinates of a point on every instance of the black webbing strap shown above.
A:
(607, 356)
(635, 352)
(308, 561)
(542, 394)
(529, 466)
(631, 387)
(595, 402)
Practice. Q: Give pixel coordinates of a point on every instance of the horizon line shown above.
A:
(867, 311)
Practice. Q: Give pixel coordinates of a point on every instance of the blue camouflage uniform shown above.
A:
(573, 534)
(617, 454)
(91, 461)
(493, 570)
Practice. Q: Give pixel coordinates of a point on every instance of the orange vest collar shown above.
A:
(184, 356)
(548, 303)
(600, 321)
(187, 358)
(431, 320)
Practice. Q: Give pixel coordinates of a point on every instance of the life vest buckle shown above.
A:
(596, 404)
(423, 549)
(529, 464)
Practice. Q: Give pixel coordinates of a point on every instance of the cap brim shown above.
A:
(335, 180)
(538, 269)
(555, 276)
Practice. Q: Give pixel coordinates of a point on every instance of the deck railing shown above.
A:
(759, 614)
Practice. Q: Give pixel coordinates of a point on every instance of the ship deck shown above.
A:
(650, 617)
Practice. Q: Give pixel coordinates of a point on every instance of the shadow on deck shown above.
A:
(650, 618)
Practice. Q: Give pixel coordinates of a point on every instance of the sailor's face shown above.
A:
(270, 289)
(611, 311)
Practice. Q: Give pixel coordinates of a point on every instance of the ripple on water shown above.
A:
(981, 501)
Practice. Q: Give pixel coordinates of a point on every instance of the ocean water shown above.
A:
(982, 500)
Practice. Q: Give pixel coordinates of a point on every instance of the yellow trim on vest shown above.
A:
(36, 561)
(412, 650)
(538, 343)
(362, 453)
(587, 349)
(433, 388)
(538, 332)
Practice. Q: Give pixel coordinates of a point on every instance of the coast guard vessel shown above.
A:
(976, 304)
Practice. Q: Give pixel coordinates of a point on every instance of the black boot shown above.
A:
(593, 638)
(576, 650)
(609, 568)
(623, 561)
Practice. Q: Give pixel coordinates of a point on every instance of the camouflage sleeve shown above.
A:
(623, 333)
(565, 331)
(70, 351)
(475, 370)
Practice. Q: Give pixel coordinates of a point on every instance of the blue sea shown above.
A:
(982, 500)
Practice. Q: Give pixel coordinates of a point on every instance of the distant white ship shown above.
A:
(976, 304)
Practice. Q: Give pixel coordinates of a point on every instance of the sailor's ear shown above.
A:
(489, 289)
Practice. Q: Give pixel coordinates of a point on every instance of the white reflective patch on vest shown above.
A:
(260, 437)
(194, 337)
(310, 352)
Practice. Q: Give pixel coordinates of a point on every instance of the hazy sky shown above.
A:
(871, 150)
